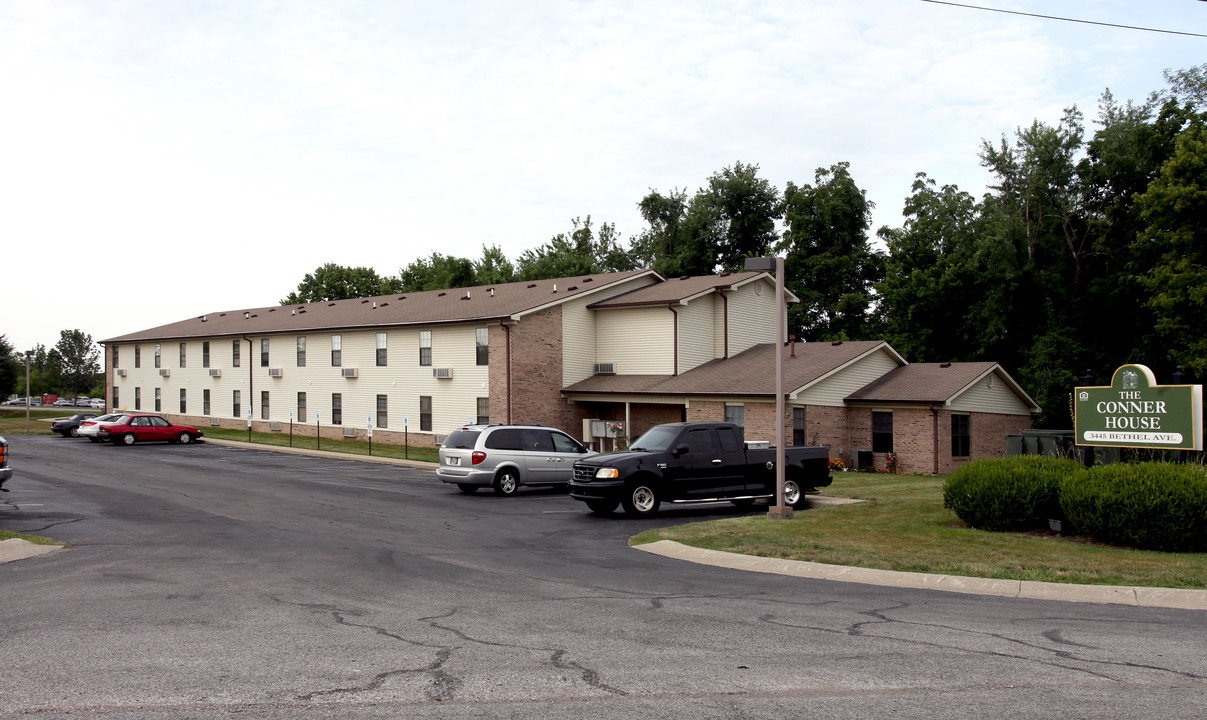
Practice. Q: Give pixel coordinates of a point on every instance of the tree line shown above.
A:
(71, 368)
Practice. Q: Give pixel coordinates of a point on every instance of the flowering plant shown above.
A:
(892, 464)
(836, 464)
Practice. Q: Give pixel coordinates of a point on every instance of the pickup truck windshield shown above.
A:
(655, 439)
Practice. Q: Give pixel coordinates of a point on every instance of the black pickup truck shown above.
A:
(694, 462)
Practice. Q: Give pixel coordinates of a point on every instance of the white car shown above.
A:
(97, 403)
(90, 428)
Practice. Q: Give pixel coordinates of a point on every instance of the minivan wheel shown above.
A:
(506, 482)
(641, 500)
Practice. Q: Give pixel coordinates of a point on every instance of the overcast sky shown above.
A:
(162, 159)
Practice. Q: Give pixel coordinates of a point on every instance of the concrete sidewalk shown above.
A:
(18, 549)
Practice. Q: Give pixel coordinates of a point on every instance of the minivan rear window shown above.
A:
(462, 439)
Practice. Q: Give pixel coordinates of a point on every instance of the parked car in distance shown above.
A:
(507, 457)
(90, 428)
(6, 471)
(97, 403)
(63, 402)
(131, 428)
(83, 401)
(71, 426)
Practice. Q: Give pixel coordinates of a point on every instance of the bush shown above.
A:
(1017, 493)
(1155, 506)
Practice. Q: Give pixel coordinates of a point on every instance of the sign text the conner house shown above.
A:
(1136, 412)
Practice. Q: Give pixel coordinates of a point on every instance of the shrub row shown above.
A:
(1157, 506)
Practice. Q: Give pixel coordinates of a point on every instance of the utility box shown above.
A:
(862, 458)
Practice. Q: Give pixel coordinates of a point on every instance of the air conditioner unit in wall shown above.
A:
(215, 372)
(165, 372)
(121, 372)
(349, 372)
(274, 372)
(605, 369)
(442, 373)
(349, 432)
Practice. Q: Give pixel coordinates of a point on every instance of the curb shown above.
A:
(1108, 594)
(18, 549)
(325, 454)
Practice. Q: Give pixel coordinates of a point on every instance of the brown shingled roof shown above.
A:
(480, 303)
(679, 289)
(922, 383)
(748, 373)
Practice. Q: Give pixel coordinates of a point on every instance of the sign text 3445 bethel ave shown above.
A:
(1134, 411)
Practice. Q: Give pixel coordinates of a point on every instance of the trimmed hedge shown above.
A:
(1155, 506)
(1016, 493)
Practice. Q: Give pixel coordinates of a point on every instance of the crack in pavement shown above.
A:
(857, 630)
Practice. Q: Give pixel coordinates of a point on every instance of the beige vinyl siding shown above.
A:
(695, 333)
(579, 332)
(858, 374)
(751, 316)
(990, 394)
(639, 341)
(718, 326)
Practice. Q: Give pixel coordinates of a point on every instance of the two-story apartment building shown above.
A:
(628, 347)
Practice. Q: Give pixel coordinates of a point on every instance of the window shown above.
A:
(236, 408)
(205, 353)
(425, 347)
(301, 351)
(337, 344)
(383, 411)
(482, 341)
(138, 398)
(483, 411)
(798, 426)
(263, 352)
(337, 408)
(183, 400)
(138, 356)
(263, 404)
(565, 444)
(235, 356)
(157, 355)
(736, 414)
(961, 435)
(115, 348)
(301, 407)
(205, 401)
(381, 349)
(730, 442)
(425, 413)
(699, 444)
(882, 432)
(183, 347)
(536, 440)
(158, 403)
(116, 402)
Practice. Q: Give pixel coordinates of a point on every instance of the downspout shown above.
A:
(934, 416)
(507, 369)
(675, 312)
(251, 378)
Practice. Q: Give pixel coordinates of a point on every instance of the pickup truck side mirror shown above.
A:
(680, 450)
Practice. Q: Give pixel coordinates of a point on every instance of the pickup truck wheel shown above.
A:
(506, 482)
(792, 494)
(640, 500)
(467, 489)
(602, 507)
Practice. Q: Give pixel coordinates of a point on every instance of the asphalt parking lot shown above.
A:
(203, 581)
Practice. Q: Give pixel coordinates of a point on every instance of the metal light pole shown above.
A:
(776, 264)
(28, 354)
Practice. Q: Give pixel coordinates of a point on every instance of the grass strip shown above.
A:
(902, 525)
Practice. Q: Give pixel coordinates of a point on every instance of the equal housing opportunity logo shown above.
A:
(1134, 411)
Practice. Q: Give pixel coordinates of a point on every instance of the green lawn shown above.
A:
(902, 525)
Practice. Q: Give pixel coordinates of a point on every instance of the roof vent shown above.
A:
(684, 277)
(293, 312)
(246, 315)
(330, 304)
(587, 280)
(725, 274)
(374, 304)
(301, 311)
(384, 304)
(272, 309)
(554, 287)
(402, 297)
(492, 292)
(362, 302)
(572, 287)
(203, 318)
(944, 365)
(836, 343)
(441, 294)
(221, 314)
(532, 285)
(254, 315)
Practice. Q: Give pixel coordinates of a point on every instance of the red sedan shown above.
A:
(133, 427)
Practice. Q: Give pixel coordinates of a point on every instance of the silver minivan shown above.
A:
(506, 457)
